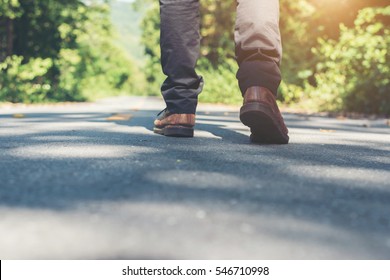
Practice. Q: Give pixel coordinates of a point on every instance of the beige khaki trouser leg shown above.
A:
(258, 44)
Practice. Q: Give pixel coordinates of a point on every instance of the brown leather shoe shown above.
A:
(261, 113)
(175, 125)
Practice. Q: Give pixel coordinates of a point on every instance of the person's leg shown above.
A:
(258, 44)
(180, 43)
(258, 53)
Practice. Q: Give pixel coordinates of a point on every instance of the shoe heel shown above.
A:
(251, 114)
(263, 124)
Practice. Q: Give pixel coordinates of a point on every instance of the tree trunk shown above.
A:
(6, 38)
(10, 36)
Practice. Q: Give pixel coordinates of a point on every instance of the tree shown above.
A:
(63, 50)
(8, 12)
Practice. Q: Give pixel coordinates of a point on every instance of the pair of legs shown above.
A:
(258, 50)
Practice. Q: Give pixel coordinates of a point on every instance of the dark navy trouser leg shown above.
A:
(180, 46)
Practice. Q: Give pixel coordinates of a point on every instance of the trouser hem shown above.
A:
(259, 73)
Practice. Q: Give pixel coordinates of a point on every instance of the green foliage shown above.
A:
(299, 35)
(69, 51)
(151, 40)
(336, 57)
(324, 67)
(354, 74)
(217, 29)
(99, 67)
(24, 82)
(220, 82)
(9, 8)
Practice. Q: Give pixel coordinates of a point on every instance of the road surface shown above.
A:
(92, 181)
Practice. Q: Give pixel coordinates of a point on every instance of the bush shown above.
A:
(25, 82)
(220, 82)
(355, 72)
(151, 41)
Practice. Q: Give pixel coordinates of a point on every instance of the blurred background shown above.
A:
(336, 52)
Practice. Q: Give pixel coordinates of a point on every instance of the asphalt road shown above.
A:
(82, 182)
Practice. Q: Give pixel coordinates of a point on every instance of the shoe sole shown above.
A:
(175, 131)
(263, 123)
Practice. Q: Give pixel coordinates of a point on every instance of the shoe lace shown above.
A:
(163, 111)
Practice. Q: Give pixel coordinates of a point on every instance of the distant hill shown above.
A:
(127, 23)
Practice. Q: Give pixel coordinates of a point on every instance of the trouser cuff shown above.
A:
(259, 73)
(182, 99)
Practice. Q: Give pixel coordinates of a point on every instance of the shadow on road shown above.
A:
(337, 183)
